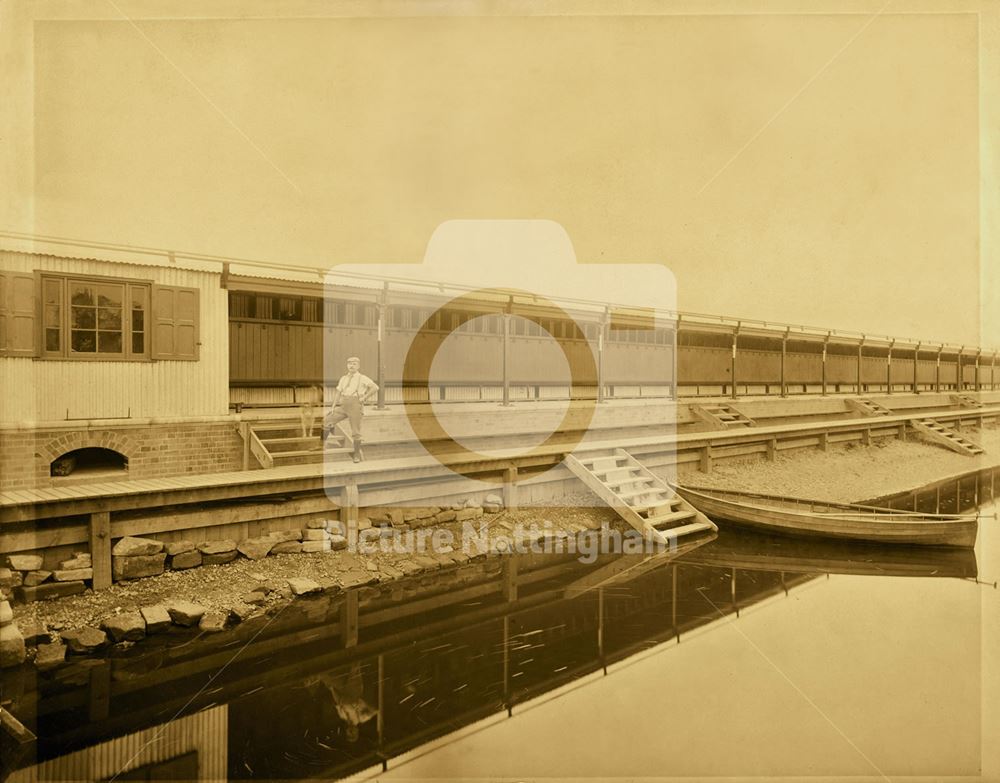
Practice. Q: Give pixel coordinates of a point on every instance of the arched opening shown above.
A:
(90, 460)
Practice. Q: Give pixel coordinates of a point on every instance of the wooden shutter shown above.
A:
(176, 321)
(18, 314)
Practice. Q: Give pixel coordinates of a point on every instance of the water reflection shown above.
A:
(333, 686)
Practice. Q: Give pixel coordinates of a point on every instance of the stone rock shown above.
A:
(49, 655)
(364, 523)
(316, 524)
(12, 652)
(185, 613)
(189, 559)
(448, 515)
(80, 561)
(9, 578)
(389, 571)
(254, 599)
(25, 562)
(300, 586)
(371, 565)
(458, 505)
(408, 567)
(338, 542)
(74, 575)
(473, 503)
(493, 499)
(315, 546)
(285, 535)
(157, 618)
(213, 622)
(469, 513)
(49, 590)
(34, 632)
(395, 517)
(217, 547)
(85, 640)
(180, 547)
(6, 613)
(125, 627)
(491, 508)
(137, 566)
(255, 548)
(33, 578)
(219, 558)
(410, 514)
(336, 527)
(132, 546)
(314, 535)
(351, 579)
(287, 548)
(426, 562)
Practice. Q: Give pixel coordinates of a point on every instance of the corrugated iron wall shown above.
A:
(206, 733)
(54, 390)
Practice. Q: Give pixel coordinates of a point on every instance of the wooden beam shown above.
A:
(510, 499)
(349, 504)
(100, 548)
(349, 619)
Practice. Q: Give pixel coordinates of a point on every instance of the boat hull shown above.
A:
(878, 527)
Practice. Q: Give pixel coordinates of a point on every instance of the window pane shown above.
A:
(53, 292)
(51, 339)
(82, 294)
(109, 318)
(109, 342)
(138, 343)
(84, 318)
(110, 295)
(84, 342)
(52, 315)
(138, 320)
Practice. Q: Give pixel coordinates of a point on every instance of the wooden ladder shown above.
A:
(721, 416)
(639, 496)
(965, 401)
(281, 443)
(938, 433)
(867, 407)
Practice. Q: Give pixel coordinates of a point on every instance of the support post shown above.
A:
(510, 579)
(866, 437)
(349, 620)
(706, 459)
(383, 307)
(937, 372)
(860, 346)
(245, 433)
(349, 502)
(506, 352)
(736, 333)
(772, 449)
(674, 386)
(916, 361)
(979, 354)
(959, 386)
(888, 369)
(100, 548)
(510, 499)
(826, 342)
(601, 339)
(784, 351)
(824, 441)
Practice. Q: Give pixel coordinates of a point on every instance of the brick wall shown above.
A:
(152, 450)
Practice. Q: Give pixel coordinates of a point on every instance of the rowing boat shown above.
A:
(850, 521)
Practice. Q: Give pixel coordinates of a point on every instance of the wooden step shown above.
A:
(694, 527)
(669, 503)
(659, 522)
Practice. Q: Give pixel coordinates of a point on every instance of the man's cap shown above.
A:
(353, 359)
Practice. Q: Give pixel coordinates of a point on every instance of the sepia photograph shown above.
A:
(449, 390)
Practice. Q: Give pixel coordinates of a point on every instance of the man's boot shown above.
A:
(357, 456)
(322, 438)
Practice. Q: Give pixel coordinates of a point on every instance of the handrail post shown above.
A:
(860, 346)
(888, 369)
(732, 373)
(959, 385)
(506, 351)
(823, 368)
(784, 350)
(916, 361)
(600, 354)
(937, 371)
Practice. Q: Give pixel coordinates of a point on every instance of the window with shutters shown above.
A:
(56, 316)
(94, 318)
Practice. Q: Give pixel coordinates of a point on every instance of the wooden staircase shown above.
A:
(278, 443)
(639, 496)
(867, 407)
(721, 416)
(938, 433)
(965, 401)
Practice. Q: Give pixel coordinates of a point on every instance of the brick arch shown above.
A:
(104, 439)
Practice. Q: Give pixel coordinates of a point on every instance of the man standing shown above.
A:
(352, 392)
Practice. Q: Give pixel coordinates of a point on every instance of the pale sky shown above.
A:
(818, 169)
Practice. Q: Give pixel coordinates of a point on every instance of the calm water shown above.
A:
(747, 656)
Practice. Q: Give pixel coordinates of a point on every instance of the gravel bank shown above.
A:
(851, 473)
